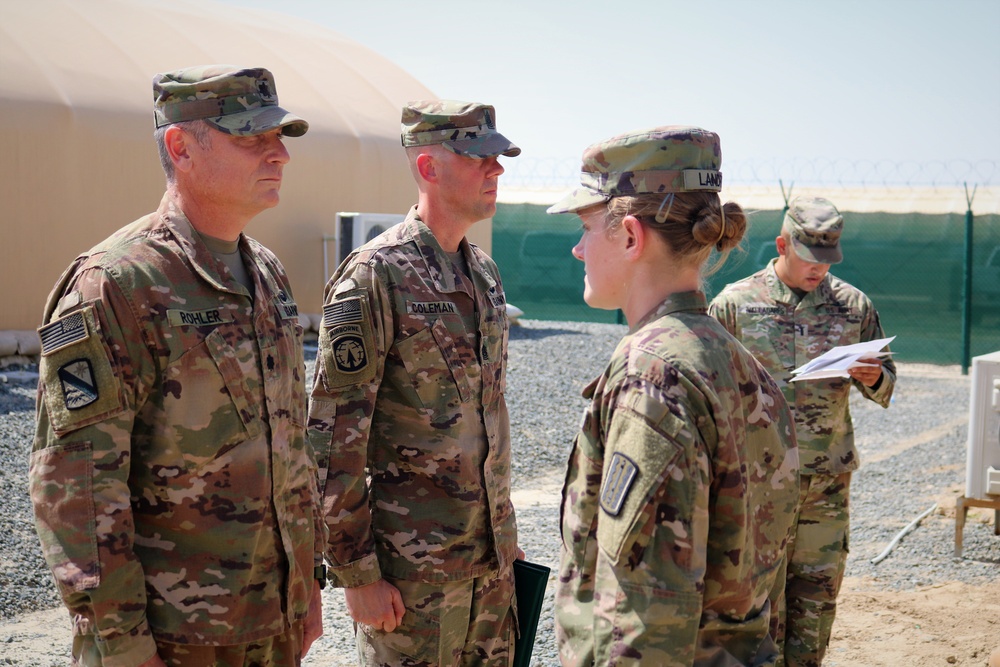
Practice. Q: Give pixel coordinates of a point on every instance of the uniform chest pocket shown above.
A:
(432, 362)
(205, 398)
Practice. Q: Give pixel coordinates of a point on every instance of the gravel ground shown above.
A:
(913, 456)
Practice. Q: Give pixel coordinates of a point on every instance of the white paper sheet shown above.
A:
(836, 362)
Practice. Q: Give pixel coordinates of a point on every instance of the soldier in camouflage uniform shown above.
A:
(792, 311)
(683, 481)
(174, 489)
(408, 418)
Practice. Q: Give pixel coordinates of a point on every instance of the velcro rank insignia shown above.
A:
(617, 482)
(346, 342)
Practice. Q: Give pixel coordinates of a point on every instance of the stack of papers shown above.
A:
(835, 363)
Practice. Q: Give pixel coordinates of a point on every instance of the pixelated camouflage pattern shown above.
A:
(817, 561)
(784, 332)
(672, 158)
(465, 128)
(436, 629)
(182, 501)
(814, 225)
(683, 573)
(426, 422)
(240, 101)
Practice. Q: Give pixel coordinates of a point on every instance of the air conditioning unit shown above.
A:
(982, 479)
(353, 230)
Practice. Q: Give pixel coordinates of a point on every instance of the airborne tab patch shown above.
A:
(617, 483)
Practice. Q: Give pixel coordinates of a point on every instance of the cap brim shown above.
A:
(260, 120)
(483, 146)
(577, 200)
(818, 254)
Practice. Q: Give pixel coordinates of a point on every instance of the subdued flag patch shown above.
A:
(64, 331)
(341, 312)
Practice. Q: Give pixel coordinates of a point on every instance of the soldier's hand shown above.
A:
(378, 605)
(867, 375)
(155, 661)
(313, 628)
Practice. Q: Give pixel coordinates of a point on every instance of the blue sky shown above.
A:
(875, 80)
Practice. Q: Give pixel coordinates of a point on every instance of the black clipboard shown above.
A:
(530, 580)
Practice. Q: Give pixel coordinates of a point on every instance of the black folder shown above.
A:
(530, 580)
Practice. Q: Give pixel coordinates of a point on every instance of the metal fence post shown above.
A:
(967, 284)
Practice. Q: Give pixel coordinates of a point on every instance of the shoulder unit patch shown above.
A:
(617, 482)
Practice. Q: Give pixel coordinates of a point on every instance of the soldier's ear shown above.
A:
(781, 245)
(634, 236)
(176, 141)
(426, 167)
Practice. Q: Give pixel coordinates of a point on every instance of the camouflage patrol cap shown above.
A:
(234, 100)
(814, 225)
(464, 128)
(672, 158)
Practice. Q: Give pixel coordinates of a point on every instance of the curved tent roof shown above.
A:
(79, 161)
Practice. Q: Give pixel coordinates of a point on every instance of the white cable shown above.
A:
(901, 534)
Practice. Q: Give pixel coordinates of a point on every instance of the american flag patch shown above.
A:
(342, 312)
(64, 331)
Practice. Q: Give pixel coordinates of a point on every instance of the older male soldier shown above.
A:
(786, 314)
(408, 417)
(174, 489)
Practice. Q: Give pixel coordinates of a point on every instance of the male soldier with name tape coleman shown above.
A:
(174, 489)
(408, 418)
(789, 312)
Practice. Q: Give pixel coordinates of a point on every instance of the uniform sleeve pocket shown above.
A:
(81, 385)
(638, 460)
(61, 488)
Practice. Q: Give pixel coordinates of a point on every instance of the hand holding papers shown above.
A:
(836, 362)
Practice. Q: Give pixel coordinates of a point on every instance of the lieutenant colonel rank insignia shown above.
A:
(621, 473)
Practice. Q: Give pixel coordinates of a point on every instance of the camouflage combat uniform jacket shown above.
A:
(410, 392)
(174, 489)
(784, 332)
(679, 500)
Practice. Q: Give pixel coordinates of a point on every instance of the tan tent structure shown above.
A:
(76, 129)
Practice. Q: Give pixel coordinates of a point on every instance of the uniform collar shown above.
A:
(782, 293)
(200, 257)
(694, 302)
(439, 266)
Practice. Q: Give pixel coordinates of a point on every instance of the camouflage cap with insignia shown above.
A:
(814, 224)
(672, 158)
(235, 100)
(465, 128)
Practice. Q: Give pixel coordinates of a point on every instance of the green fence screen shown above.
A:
(911, 265)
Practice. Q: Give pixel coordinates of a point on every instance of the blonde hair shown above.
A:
(695, 223)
